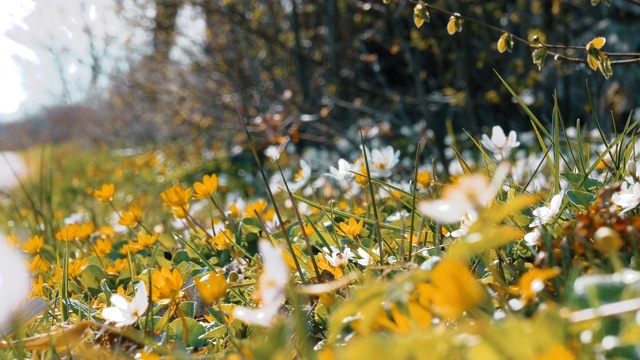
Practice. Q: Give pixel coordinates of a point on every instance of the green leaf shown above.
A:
(91, 277)
(580, 198)
(194, 331)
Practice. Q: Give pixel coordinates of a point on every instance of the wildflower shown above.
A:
(33, 245)
(271, 286)
(207, 187)
(37, 287)
(166, 284)
(38, 263)
(351, 229)
(337, 258)
(361, 177)
(123, 312)
(177, 198)
(130, 248)
(452, 289)
(533, 238)
(627, 199)
(257, 207)
(499, 144)
(365, 257)
(424, 178)
(145, 240)
(465, 224)
(76, 267)
(75, 232)
(211, 287)
(223, 239)
(105, 192)
(532, 282)
(382, 161)
(343, 172)
(557, 352)
(131, 217)
(117, 267)
(102, 247)
(465, 198)
(545, 214)
(301, 177)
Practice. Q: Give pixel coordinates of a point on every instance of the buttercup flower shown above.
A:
(166, 284)
(123, 312)
(211, 287)
(207, 187)
(131, 217)
(33, 244)
(271, 286)
(499, 144)
(105, 192)
(350, 229)
(532, 282)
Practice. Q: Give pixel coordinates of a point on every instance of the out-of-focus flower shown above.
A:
(167, 284)
(382, 161)
(102, 247)
(75, 232)
(533, 238)
(627, 199)
(117, 266)
(123, 312)
(211, 287)
(499, 144)
(424, 178)
(271, 286)
(557, 352)
(532, 282)
(351, 229)
(464, 198)
(105, 192)
(365, 258)
(343, 172)
(465, 224)
(223, 239)
(207, 187)
(146, 240)
(257, 207)
(339, 258)
(14, 281)
(33, 244)
(545, 214)
(452, 290)
(301, 177)
(131, 217)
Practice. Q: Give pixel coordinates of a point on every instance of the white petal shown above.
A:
(444, 211)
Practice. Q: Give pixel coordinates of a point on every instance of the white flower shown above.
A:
(337, 258)
(343, 172)
(301, 177)
(465, 198)
(545, 214)
(124, 313)
(465, 224)
(627, 199)
(499, 144)
(365, 258)
(271, 285)
(382, 162)
(533, 238)
(14, 281)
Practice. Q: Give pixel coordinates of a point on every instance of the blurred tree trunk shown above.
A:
(164, 30)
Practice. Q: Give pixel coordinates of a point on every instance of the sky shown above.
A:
(12, 13)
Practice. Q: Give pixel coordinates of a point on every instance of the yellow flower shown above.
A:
(211, 287)
(223, 239)
(176, 196)
(75, 232)
(33, 245)
(557, 352)
(166, 284)
(323, 264)
(455, 24)
(207, 187)
(76, 267)
(257, 207)
(233, 208)
(424, 178)
(117, 267)
(105, 192)
(146, 241)
(102, 247)
(452, 291)
(38, 263)
(532, 282)
(37, 287)
(352, 229)
(362, 178)
(130, 248)
(505, 43)
(131, 217)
